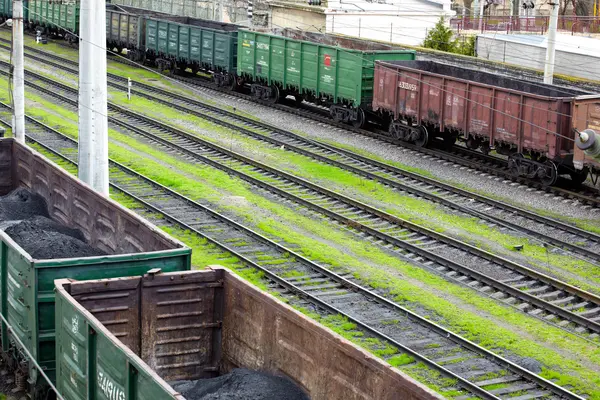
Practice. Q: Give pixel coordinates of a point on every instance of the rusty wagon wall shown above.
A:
(104, 223)
(529, 116)
(261, 332)
(197, 324)
(586, 116)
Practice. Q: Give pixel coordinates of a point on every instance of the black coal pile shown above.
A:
(21, 204)
(44, 239)
(241, 384)
(24, 217)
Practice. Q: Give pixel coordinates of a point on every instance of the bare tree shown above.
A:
(580, 7)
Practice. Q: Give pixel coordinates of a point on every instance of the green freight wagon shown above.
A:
(196, 44)
(55, 18)
(27, 285)
(322, 69)
(126, 338)
(6, 10)
(126, 27)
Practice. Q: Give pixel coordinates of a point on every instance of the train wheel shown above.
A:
(550, 173)
(274, 95)
(514, 165)
(360, 120)
(236, 82)
(334, 115)
(578, 177)
(423, 139)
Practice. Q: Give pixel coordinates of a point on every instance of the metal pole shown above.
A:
(551, 50)
(481, 4)
(18, 73)
(93, 123)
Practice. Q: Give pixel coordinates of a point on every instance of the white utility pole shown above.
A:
(18, 73)
(551, 50)
(93, 120)
(481, 4)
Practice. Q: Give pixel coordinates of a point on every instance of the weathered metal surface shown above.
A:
(27, 285)
(324, 71)
(94, 363)
(499, 109)
(586, 115)
(207, 44)
(47, 13)
(126, 26)
(177, 313)
(263, 333)
(170, 321)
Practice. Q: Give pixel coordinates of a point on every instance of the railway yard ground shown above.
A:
(297, 192)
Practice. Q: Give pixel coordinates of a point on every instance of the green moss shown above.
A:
(291, 225)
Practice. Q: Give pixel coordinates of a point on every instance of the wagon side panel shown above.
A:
(431, 93)
(478, 100)
(245, 59)
(277, 60)
(384, 93)
(310, 68)
(455, 105)
(506, 113)
(293, 64)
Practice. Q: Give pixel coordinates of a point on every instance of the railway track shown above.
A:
(547, 230)
(458, 155)
(527, 290)
(473, 370)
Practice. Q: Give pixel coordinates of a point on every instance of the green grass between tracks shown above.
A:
(150, 76)
(475, 327)
(577, 272)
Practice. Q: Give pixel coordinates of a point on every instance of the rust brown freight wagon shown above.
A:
(531, 123)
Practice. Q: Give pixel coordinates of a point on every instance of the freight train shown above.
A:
(535, 126)
(124, 324)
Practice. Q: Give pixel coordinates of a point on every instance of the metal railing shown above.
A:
(519, 24)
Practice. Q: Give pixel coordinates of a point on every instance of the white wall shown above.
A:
(398, 21)
(402, 29)
(531, 56)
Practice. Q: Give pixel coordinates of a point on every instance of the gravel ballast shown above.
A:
(241, 384)
(509, 191)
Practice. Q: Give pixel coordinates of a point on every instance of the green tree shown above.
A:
(441, 37)
(466, 46)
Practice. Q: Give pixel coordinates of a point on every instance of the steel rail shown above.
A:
(498, 285)
(592, 198)
(591, 255)
(562, 392)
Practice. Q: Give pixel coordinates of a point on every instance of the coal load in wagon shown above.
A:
(24, 217)
(21, 204)
(241, 384)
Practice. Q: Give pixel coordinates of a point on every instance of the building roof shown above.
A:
(564, 43)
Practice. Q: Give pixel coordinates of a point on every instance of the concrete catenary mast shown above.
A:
(551, 49)
(18, 74)
(93, 120)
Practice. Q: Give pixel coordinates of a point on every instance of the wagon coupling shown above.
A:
(589, 141)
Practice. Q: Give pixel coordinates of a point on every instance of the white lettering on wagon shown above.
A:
(407, 86)
(109, 387)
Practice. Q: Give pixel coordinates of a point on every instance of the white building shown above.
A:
(397, 21)
(575, 55)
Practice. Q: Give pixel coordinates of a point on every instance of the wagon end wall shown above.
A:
(232, 324)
